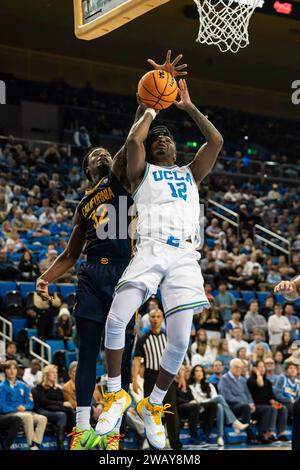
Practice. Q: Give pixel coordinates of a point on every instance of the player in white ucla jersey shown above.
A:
(167, 202)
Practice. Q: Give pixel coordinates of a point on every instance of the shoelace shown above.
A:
(108, 399)
(115, 440)
(75, 437)
(157, 410)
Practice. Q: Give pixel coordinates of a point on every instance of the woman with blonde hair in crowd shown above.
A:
(259, 353)
(214, 346)
(224, 355)
(50, 402)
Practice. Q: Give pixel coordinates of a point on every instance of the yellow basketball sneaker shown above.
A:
(110, 441)
(115, 405)
(83, 439)
(151, 415)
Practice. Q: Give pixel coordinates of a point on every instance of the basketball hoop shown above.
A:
(224, 23)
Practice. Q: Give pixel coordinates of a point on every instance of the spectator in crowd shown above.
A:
(218, 371)
(150, 348)
(277, 324)
(273, 277)
(259, 353)
(59, 227)
(284, 346)
(289, 312)
(237, 342)
(286, 388)
(46, 310)
(64, 324)
(201, 336)
(49, 401)
(293, 354)
(15, 399)
(189, 408)
(268, 309)
(214, 346)
(9, 426)
(213, 230)
(262, 392)
(82, 138)
(33, 375)
(233, 387)
(28, 271)
(225, 302)
(204, 392)
(152, 304)
(270, 370)
(211, 321)
(224, 355)
(254, 320)
(68, 389)
(203, 357)
(47, 217)
(258, 338)
(242, 355)
(5, 206)
(13, 355)
(234, 322)
(278, 358)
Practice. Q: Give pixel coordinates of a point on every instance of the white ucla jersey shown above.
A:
(167, 203)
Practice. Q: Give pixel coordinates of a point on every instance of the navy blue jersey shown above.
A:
(105, 209)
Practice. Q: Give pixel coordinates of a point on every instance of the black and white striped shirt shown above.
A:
(151, 346)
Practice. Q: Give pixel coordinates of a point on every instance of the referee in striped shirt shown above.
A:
(150, 347)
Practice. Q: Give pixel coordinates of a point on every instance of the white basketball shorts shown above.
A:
(174, 269)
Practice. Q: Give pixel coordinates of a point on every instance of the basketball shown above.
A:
(158, 89)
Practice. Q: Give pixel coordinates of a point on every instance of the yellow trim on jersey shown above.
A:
(89, 191)
(186, 307)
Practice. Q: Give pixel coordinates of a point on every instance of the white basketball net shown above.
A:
(225, 23)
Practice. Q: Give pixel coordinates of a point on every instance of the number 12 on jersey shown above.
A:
(178, 190)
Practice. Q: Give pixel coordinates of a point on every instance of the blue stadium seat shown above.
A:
(280, 299)
(262, 296)
(7, 286)
(66, 290)
(56, 345)
(235, 293)
(52, 288)
(248, 295)
(215, 292)
(26, 288)
(100, 370)
(18, 324)
(31, 332)
(70, 356)
(71, 345)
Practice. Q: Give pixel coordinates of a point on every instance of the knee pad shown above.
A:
(115, 332)
(172, 357)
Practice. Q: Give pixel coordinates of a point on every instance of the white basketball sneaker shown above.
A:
(115, 405)
(151, 415)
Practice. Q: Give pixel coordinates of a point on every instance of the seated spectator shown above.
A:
(284, 346)
(15, 399)
(49, 401)
(218, 371)
(47, 217)
(289, 312)
(237, 342)
(270, 370)
(285, 270)
(278, 358)
(213, 230)
(205, 393)
(256, 279)
(82, 138)
(286, 389)
(59, 227)
(203, 357)
(68, 389)
(224, 355)
(13, 355)
(261, 390)
(254, 320)
(277, 324)
(188, 408)
(233, 387)
(208, 288)
(64, 323)
(259, 353)
(293, 356)
(28, 271)
(9, 426)
(268, 309)
(242, 355)
(273, 277)
(225, 302)
(211, 321)
(33, 375)
(152, 304)
(234, 322)
(14, 243)
(258, 338)
(214, 346)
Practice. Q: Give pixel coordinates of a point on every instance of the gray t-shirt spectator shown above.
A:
(254, 320)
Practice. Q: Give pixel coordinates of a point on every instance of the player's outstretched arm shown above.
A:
(289, 289)
(136, 155)
(66, 260)
(206, 156)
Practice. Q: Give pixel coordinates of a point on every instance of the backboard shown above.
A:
(94, 18)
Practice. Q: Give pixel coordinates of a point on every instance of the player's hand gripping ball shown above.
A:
(158, 89)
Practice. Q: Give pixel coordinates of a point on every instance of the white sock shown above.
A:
(83, 414)
(157, 396)
(114, 384)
